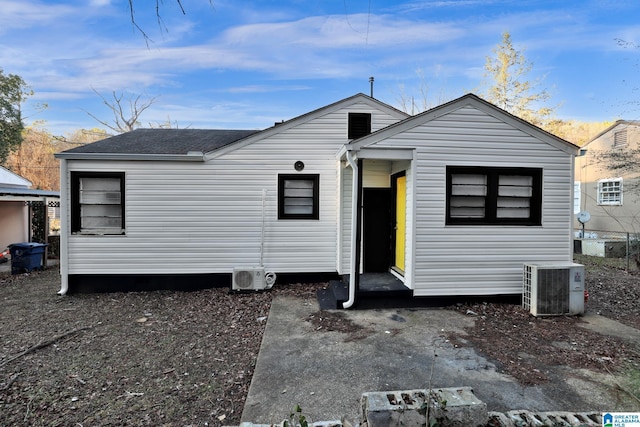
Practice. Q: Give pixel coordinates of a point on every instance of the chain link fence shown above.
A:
(609, 244)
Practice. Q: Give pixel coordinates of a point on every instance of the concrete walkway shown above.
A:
(326, 373)
(605, 326)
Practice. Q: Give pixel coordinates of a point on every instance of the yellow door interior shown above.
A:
(401, 218)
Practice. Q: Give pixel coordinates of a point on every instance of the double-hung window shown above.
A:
(493, 196)
(97, 203)
(610, 192)
(298, 196)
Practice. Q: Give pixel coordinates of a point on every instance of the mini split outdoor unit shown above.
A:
(248, 279)
(553, 290)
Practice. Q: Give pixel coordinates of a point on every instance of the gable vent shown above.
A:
(620, 139)
(359, 125)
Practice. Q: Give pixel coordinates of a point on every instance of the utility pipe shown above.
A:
(353, 262)
(64, 230)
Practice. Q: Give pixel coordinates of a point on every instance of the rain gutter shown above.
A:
(356, 201)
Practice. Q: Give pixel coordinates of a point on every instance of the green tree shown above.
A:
(509, 87)
(13, 91)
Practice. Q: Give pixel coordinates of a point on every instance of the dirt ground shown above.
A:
(187, 358)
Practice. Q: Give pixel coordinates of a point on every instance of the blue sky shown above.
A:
(247, 64)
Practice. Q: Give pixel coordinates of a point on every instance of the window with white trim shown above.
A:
(486, 196)
(610, 192)
(577, 197)
(97, 203)
(298, 196)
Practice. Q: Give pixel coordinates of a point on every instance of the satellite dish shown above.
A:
(583, 217)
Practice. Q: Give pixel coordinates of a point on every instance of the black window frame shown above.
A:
(491, 198)
(76, 220)
(359, 125)
(315, 178)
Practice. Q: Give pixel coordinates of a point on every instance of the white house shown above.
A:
(454, 200)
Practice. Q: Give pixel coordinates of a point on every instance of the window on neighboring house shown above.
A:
(494, 196)
(298, 196)
(610, 192)
(577, 197)
(359, 125)
(97, 203)
(620, 139)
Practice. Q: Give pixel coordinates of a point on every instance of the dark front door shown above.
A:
(376, 216)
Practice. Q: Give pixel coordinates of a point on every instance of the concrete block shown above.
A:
(499, 419)
(394, 408)
(449, 407)
(526, 418)
(589, 419)
(458, 407)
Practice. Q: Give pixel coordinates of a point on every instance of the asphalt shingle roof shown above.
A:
(165, 141)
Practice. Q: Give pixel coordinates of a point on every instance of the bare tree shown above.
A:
(167, 124)
(126, 111)
(83, 136)
(415, 104)
(158, 6)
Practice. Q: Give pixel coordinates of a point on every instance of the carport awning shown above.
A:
(12, 194)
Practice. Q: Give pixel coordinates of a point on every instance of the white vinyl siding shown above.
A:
(188, 217)
(488, 259)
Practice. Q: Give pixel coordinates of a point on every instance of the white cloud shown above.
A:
(20, 14)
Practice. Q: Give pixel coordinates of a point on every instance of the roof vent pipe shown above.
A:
(371, 82)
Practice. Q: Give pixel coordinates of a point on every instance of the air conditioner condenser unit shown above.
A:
(248, 279)
(553, 290)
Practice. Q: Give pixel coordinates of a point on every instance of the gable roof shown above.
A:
(22, 193)
(160, 142)
(14, 187)
(327, 109)
(464, 101)
(617, 123)
(194, 144)
(10, 179)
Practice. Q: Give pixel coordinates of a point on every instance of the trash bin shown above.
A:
(26, 256)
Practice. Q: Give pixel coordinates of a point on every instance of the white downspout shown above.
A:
(64, 229)
(353, 267)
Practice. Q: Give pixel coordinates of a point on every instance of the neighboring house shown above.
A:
(454, 200)
(15, 213)
(607, 196)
